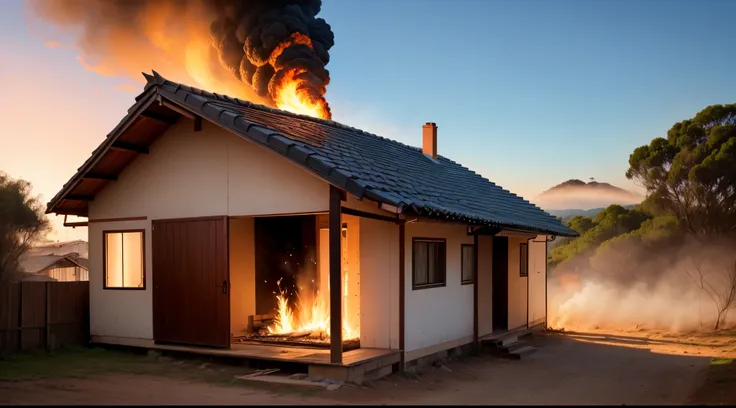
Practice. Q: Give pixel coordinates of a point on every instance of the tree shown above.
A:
(22, 222)
(721, 289)
(580, 224)
(692, 173)
(611, 222)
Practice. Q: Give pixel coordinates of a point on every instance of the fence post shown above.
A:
(20, 316)
(48, 318)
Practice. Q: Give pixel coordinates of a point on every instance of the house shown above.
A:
(78, 246)
(62, 268)
(206, 213)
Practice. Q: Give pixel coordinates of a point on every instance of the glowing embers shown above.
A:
(292, 283)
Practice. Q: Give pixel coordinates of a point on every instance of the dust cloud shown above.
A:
(680, 287)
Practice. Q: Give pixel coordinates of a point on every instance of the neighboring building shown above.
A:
(61, 248)
(199, 203)
(62, 268)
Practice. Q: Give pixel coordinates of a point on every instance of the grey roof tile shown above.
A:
(364, 164)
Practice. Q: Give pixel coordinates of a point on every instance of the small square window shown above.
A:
(124, 265)
(428, 263)
(468, 263)
(524, 260)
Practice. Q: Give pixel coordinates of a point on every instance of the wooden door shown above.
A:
(191, 285)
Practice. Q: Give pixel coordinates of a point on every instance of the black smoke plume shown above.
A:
(259, 42)
(246, 34)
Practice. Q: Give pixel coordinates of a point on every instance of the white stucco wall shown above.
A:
(441, 315)
(537, 278)
(211, 172)
(485, 285)
(379, 285)
(188, 174)
(119, 313)
(517, 286)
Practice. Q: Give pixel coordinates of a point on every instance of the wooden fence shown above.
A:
(44, 315)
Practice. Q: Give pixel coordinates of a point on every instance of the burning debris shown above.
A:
(306, 320)
(278, 47)
(302, 324)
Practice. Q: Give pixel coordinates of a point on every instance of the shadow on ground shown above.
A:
(565, 370)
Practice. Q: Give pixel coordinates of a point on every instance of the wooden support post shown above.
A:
(475, 290)
(402, 295)
(335, 227)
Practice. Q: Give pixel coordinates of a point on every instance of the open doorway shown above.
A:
(500, 291)
(285, 298)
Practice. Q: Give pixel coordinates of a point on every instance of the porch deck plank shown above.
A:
(304, 355)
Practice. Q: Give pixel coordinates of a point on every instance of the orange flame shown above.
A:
(292, 94)
(313, 319)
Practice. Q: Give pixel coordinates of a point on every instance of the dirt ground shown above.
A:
(570, 368)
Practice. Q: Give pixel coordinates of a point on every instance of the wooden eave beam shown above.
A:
(159, 117)
(177, 109)
(101, 176)
(131, 147)
(79, 197)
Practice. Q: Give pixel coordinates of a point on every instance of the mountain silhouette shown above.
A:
(577, 194)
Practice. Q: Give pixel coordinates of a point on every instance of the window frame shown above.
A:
(443, 263)
(462, 264)
(104, 257)
(523, 261)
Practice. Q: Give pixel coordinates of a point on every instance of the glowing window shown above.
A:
(123, 262)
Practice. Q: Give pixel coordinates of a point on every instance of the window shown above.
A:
(467, 263)
(523, 260)
(123, 260)
(428, 263)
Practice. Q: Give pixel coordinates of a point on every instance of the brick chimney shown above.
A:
(429, 139)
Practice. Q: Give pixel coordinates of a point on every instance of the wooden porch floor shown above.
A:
(291, 354)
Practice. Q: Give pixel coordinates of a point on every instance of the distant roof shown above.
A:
(59, 243)
(361, 163)
(38, 263)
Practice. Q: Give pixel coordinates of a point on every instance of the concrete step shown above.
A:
(525, 351)
(514, 346)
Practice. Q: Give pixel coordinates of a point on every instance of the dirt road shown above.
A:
(570, 369)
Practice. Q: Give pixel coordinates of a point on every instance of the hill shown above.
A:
(573, 194)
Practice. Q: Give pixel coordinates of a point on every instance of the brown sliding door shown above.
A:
(191, 286)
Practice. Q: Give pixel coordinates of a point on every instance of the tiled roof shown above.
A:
(363, 164)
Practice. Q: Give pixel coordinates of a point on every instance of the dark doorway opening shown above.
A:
(286, 249)
(500, 280)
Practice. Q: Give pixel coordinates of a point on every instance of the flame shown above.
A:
(313, 319)
(292, 94)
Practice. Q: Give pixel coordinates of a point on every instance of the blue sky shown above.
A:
(527, 93)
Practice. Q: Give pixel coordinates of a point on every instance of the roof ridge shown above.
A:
(157, 80)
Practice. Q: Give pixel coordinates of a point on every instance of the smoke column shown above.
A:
(279, 48)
